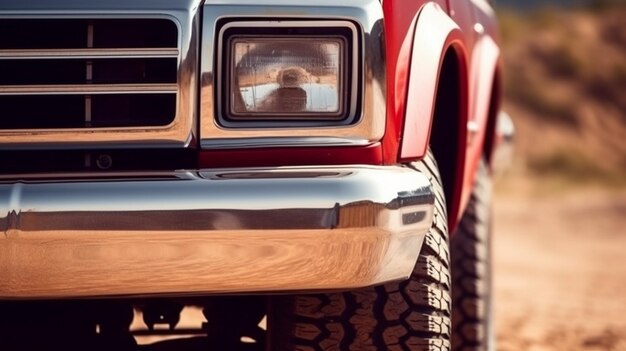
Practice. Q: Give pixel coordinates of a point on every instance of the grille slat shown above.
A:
(119, 53)
(87, 73)
(88, 89)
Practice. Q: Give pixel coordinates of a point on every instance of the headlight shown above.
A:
(277, 75)
(286, 77)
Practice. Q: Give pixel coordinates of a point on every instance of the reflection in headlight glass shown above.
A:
(286, 77)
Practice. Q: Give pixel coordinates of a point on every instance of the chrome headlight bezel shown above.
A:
(349, 91)
(368, 127)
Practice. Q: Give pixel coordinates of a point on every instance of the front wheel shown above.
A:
(411, 315)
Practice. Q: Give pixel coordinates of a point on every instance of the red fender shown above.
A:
(400, 20)
(486, 62)
(435, 32)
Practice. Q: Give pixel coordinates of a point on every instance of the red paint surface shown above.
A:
(462, 25)
(485, 70)
(453, 26)
(369, 155)
(435, 34)
(415, 53)
(399, 28)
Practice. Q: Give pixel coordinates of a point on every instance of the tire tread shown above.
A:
(469, 247)
(412, 315)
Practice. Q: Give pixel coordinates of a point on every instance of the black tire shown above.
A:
(411, 315)
(470, 248)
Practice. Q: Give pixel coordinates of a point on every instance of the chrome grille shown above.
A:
(87, 73)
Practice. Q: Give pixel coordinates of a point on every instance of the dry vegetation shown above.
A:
(560, 213)
(565, 84)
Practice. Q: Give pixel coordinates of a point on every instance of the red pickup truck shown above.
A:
(325, 165)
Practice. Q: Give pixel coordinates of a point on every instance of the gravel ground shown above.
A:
(560, 270)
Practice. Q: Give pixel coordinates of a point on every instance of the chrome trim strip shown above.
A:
(88, 89)
(205, 232)
(182, 132)
(365, 14)
(36, 54)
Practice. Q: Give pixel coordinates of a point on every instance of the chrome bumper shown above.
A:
(226, 231)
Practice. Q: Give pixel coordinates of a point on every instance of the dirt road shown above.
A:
(560, 270)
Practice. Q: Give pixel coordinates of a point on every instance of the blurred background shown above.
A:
(560, 211)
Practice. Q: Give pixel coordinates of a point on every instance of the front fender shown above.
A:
(435, 32)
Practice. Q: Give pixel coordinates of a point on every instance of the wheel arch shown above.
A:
(486, 95)
(448, 133)
(495, 104)
(438, 71)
